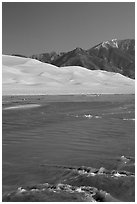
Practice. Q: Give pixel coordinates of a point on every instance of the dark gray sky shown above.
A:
(31, 28)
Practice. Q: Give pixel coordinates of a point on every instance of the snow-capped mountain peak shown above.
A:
(112, 43)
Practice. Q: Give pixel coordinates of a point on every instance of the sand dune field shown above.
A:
(28, 76)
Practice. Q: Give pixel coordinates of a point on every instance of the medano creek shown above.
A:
(68, 148)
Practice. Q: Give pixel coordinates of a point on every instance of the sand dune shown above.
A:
(29, 76)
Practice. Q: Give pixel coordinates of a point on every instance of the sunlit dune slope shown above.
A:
(29, 76)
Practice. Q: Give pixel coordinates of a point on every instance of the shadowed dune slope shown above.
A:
(29, 76)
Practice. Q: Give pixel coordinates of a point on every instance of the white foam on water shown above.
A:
(91, 116)
(119, 175)
(34, 190)
(21, 190)
(22, 106)
(88, 116)
(98, 116)
(104, 172)
(87, 190)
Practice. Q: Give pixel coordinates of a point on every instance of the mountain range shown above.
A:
(113, 56)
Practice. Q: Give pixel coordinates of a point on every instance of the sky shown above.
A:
(37, 27)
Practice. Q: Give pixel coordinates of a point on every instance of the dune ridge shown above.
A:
(22, 76)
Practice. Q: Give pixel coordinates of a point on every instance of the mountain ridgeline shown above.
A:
(112, 56)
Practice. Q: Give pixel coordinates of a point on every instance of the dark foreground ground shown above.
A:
(68, 148)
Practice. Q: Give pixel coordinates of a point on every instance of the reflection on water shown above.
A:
(84, 133)
(21, 106)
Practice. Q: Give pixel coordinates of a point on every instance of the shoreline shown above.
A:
(41, 99)
(3, 95)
